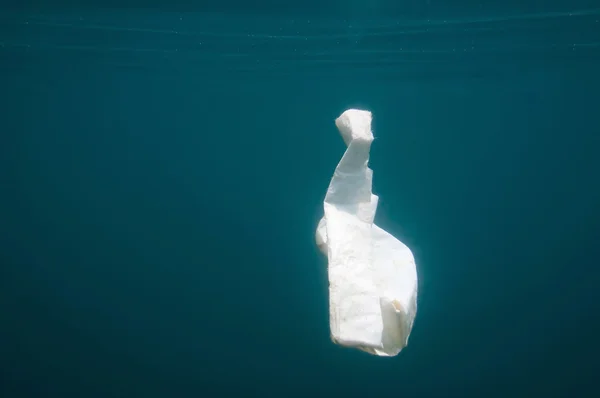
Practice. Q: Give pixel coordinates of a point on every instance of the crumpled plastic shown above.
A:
(372, 275)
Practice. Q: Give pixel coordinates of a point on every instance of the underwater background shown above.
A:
(163, 167)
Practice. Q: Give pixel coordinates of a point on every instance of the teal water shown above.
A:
(163, 173)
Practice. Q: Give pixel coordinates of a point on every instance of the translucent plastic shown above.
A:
(372, 275)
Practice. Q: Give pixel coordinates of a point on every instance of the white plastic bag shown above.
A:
(372, 275)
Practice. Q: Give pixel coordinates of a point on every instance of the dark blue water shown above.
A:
(163, 168)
